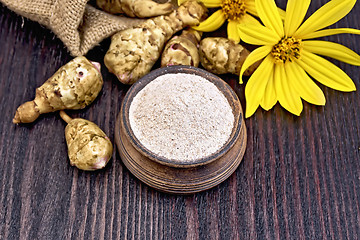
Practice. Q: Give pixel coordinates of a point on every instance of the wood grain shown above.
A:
(299, 179)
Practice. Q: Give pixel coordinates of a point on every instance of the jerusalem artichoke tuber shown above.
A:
(182, 49)
(134, 51)
(136, 8)
(221, 55)
(88, 146)
(74, 86)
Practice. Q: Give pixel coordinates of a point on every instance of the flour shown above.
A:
(182, 117)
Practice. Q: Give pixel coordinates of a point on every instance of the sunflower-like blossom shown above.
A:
(290, 57)
(232, 11)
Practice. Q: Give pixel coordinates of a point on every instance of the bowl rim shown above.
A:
(223, 87)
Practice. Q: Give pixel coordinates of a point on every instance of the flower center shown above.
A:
(286, 49)
(233, 9)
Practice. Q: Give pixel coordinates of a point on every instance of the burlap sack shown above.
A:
(79, 25)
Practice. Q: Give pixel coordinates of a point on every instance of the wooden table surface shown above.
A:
(299, 179)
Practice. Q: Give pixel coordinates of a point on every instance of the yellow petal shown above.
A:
(269, 99)
(285, 92)
(282, 13)
(325, 72)
(257, 34)
(232, 31)
(303, 84)
(255, 87)
(250, 8)
(211, 3)
(248, 19)
(325, 16)
(333, 50)
(295, 13)
(328, 32)
(270, 16)
(211, 23)
(253, 57)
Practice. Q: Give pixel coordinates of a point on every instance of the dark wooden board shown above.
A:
(299, 179)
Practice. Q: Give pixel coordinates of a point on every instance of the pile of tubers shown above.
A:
(132, 54)
(74, 86)
(134, 51)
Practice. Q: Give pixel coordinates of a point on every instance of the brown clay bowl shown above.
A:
(173, 176)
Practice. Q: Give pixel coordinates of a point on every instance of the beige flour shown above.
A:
(182, 117)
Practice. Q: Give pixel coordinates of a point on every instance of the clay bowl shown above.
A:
(173, 176)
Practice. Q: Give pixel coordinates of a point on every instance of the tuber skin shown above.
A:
(136, 8)
(134, 51)
(89, 148)
(182, 49)
(74, 86)
(221, 55)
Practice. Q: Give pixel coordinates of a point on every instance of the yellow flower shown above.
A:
(234, 11)
(289, 57)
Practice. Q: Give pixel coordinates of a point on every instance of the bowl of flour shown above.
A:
(181, 116)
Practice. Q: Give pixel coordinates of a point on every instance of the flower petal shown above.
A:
(333, 50)
(210, 3)
(250, 7)
(253, 57)
(269, 99)
(232, 31)
(329, 32)
(256, 85)
(285, 92)
(325, 72)
(248, 19)
(282, 13)
(304, 85)
(232, 27)
(325, 16)
(270, 16)
(211, 23)
(295, 13)
(257, 34)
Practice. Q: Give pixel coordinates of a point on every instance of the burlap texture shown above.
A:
(79, 25)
